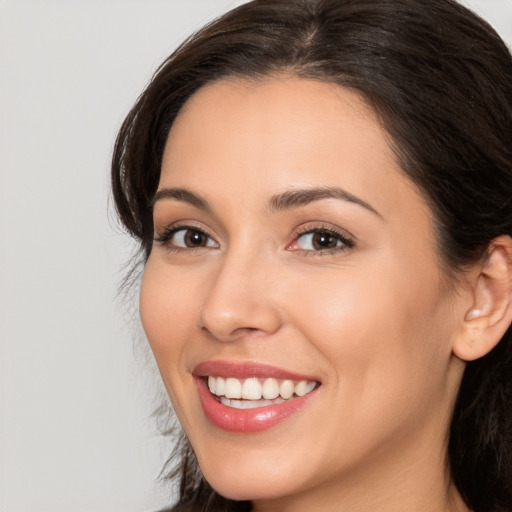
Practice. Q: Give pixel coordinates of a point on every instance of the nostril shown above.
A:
(245, 324)
(219, 334)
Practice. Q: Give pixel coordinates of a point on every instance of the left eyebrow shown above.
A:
(300, 197)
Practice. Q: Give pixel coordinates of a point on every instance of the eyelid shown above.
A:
(169, 231)
(347, 239)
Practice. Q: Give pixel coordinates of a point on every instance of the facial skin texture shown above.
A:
(374, 323)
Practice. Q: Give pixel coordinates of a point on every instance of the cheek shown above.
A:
(165, 311)
(385, 326)
(384, 342)
(167, 314)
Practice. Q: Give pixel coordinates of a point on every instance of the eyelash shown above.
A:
(347, 243)
(165, 237)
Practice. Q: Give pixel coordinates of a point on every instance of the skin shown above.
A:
(375, 323)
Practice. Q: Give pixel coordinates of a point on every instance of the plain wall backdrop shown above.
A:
(77, 385)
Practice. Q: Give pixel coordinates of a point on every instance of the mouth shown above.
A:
(246, 397)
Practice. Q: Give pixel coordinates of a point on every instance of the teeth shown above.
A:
(287, 389)
(211, 384)
(220, 386)
(256, 391)
(251, 390)
(270, 389)
(310, 386)
(300, 388)
(233, 388)
(248, 404)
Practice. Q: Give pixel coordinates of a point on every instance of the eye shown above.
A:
(321, 240)
(191, 238)
(186, 238)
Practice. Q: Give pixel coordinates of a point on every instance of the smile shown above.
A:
(246, 397)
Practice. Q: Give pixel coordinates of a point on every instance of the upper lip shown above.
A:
(245, 370)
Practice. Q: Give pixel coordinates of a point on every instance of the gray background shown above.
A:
(77, 382)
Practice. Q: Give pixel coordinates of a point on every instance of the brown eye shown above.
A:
(324, 241)
(194, 238)
(189, 238)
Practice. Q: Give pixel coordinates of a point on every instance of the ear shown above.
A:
(490, 314)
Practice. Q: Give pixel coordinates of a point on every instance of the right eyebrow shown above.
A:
(181, 194)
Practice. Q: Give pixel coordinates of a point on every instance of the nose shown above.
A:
(240, 301)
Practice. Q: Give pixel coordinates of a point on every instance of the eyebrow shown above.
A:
(301, 197)
(284, 201)
(184, 195)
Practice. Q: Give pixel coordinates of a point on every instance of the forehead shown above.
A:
(281, 107)
(278, 92)
(264, 135)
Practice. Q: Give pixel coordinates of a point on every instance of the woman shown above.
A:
(322, 193)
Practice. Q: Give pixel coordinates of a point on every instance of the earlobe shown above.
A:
(490, 314)
(475, 313)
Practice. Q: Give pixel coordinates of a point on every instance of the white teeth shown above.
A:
(286, 389)
(220, 386)
(248, 404)
(251, 390)
(233, 388)
(254, 389)
(301, 388)
(237, 404)
(270, 389)
(252, 404)
(211, 384)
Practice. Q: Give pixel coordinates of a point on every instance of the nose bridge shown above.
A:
(239, 299)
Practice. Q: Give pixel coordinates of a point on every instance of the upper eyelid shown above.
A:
(347, 239)
(169, 231)
(310, 227)
(170, 219)
(165, 239)
(176, 226)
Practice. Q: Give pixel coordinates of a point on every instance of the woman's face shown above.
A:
(294, 258)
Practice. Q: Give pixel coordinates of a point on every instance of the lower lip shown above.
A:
(248, 420)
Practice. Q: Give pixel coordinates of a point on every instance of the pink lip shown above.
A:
(246, 420)
(243, 370)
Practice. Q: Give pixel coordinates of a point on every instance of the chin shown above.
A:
(247, 487)
(252, 481)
